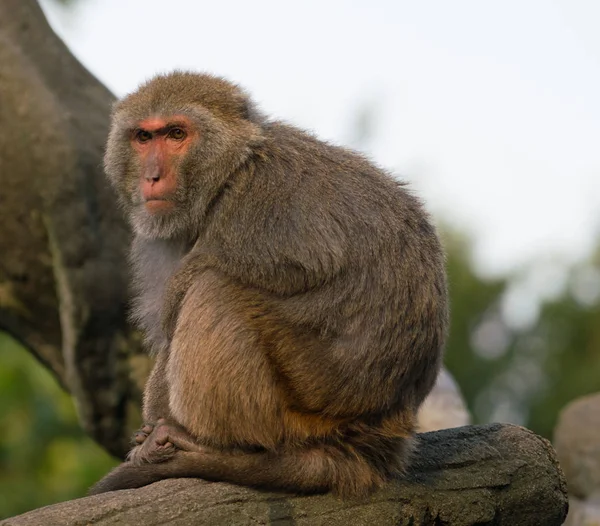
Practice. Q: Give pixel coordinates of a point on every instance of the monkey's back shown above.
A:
(355, 270)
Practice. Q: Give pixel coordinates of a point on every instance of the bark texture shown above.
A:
(500, 475)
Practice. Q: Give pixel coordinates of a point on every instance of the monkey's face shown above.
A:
(159, 145)
(172, 147)
(168, 166)
(144, 159)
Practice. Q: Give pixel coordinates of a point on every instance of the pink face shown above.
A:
(160, 142)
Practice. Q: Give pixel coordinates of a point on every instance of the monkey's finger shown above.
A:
(184, 442)
(140, 437)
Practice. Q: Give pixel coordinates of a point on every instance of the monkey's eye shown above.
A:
(143, 136)
(177, 134)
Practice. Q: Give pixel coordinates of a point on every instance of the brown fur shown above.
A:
(296, 298)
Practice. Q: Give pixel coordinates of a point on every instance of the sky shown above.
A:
(490, 109)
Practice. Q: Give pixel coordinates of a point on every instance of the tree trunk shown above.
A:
(500, 475)
(63, 241)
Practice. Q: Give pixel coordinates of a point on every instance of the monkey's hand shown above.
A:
(160, 443)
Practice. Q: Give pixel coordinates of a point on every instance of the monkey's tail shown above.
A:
(127, 476)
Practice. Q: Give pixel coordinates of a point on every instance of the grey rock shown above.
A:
(577, 443)
(445, 406)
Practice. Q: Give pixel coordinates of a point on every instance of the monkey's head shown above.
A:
(173, 146)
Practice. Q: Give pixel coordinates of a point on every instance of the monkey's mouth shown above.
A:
(158, 204)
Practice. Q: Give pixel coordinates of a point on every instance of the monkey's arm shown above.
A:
(284, 271)
(156, 392)
(155, 405)
(281, 249)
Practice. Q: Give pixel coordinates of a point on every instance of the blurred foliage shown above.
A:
(518, 352)
(45, 457)
(470, 298)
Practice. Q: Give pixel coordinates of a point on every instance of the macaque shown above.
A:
(294, 295)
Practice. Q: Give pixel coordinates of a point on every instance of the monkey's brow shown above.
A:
(160, 131)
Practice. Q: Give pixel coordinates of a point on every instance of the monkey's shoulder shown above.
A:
(301, 163)
(301, 148)
(305, 179)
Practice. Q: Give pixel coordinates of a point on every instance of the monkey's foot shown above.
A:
(161, 444)
(175, 435)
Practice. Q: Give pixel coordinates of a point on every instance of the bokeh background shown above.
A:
(490, 110)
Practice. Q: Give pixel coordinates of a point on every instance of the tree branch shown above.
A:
(500, 475)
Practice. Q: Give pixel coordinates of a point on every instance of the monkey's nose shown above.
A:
(153, 176)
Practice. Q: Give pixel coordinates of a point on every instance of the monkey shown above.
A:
(293, 292)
